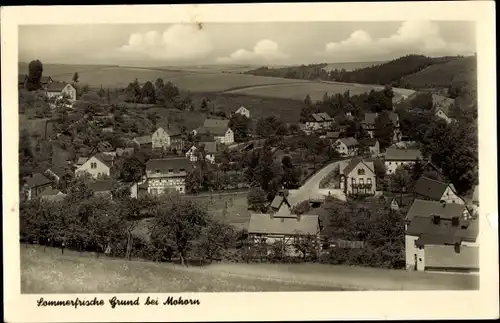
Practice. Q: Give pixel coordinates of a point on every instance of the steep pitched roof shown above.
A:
(349, 141)
(437, 256)
(49, 191)
(442, 102)
(354, 162)
(101, 185)
(177, 164)
(424, 208)
(370, 118)
(59, 170)
(56, 86)
(444, 232)
(402, 154)
(216, 123)
(332, 135)
(278, 200)
(402, 201)
(171, 129)
(37, 180)
(267, 224)
(430, 188)
(370, 142)
(106, 159)
(209, 146)
(325, 116)
(143, 140)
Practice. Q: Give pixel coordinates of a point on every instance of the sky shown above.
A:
(276, 43)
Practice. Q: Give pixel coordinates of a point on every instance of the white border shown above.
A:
(262, 306)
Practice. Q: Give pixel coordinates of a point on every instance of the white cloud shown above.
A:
(413, 37)
(179, 42)
(264, 51)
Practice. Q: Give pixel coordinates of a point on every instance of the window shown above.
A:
(181, 169)
(170, 170)
(353, 180)
(369, 181)
(361, 171)
(93, 165)
(361, 181)
(157, 171)
(390, 163)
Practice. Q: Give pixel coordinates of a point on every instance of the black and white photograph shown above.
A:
(198, 156)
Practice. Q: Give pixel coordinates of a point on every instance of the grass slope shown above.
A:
(51, 272)
(458, 71)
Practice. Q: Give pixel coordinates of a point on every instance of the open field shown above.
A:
(51, 272)
(316, 90)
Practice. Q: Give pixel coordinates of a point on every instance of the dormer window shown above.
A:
(170, 170)
(361, 171)
(181, 169)
(157, 171)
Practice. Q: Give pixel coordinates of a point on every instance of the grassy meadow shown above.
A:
(50, 272)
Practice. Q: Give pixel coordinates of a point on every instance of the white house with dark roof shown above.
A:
(35, 185)
(434, 190)
(218, 129)
(243, 111)
(318, 121)
(442, 107)
(98, 165)
(357, 176)
(52, 195)
(59, 90)
(167, 175)
(208, 148)
(347, 146)
(395, 158)
(167, 137)
(439, 237)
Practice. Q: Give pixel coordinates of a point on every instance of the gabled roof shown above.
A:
(430, 188)
(56, 86)
(424, 208)
(325, 116)
(444, 232)
(210, 147)
(320, 117)
(143, 140)
(216, 123)
(60, 171)
(370, 118)
(406, 199)
(332, 134)
(353, 163)
(176, 164)
(442, 102)
(242, 108)
(170, 129)
(37, 180)
(82, 160)
(438, 256)
(101, 185)
(49, 191)
(278, 201)
(267, 224)
(349, 141)
(106, 159)
(402, 154)
(370, 142)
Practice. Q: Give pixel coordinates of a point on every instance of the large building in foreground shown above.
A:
(167, 175)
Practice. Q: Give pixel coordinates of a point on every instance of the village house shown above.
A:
(347, 146)
(143, 142)
(433, 190)
(357, 176)
(280, 203)
(102, 188)
(319, 121)
(207, 148)
(442, 107)
(243, 111)
(51, 195)
(60, 175)
(439, 238)
(98, 165)
(395, 158)
(371, 145)
(59, 90)
(167, 175)
(264, 230)
(217, 128)
(35, 185)
(368, 125)
(168, 137)
(398, 202)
